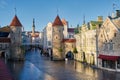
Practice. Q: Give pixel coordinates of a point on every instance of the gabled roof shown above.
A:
(64, 22)
(116, 22)
(57, 22)
(16, 22)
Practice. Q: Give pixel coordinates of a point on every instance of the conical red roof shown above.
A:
(16, 22)
(57, 22)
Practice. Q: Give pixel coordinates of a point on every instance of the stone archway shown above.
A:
(69, 55)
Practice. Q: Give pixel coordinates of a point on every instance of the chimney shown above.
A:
(117, 13)
(100, 18)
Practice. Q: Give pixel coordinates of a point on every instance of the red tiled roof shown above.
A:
(57, 22)
(5, 40)
(5, 29)
(16, 22)
(35, 32)
(69, 40)
(34, 35)
(64, 22)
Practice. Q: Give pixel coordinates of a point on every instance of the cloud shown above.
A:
(3, 3)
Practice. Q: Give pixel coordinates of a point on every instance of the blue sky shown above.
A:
(45, 11)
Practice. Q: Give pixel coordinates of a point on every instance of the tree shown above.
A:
(75, 50)
(60, 50)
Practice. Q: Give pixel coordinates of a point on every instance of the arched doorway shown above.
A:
(69, 55)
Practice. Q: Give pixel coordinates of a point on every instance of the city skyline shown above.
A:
(45, 11)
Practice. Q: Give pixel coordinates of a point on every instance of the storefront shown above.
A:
(109, 62)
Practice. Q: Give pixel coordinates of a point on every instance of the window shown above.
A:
(66, 46)
(115, 34)
(49, 43)
(0, 46)
(108, 64)
(118, 63)
(53, 29)
(105, 46)
(72, 46)
(111, 45)
(101, 36)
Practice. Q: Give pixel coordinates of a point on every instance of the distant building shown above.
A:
(71, 32)
(34, 34)
(47, 36)
(5, 42)
(66, 26)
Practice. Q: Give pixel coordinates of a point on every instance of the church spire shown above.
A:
(33, 27)
(83, 19)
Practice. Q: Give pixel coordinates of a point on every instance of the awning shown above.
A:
(108, 57)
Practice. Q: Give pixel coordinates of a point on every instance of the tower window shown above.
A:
(115, 34)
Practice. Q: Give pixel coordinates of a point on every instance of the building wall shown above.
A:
(57, 37)
(49, 35)
(65, 31)
(16, 39)
(86, 44)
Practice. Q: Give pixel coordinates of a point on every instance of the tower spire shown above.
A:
(33, 27)
(33, 22)
(83, 19)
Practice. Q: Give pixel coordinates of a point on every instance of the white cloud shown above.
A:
(3, 3)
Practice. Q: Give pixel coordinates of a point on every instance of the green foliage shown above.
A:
(94, 24)
(75, 50)
(60, 50)
(76, 30)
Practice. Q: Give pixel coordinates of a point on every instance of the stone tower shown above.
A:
(57, 37)
(16, 39)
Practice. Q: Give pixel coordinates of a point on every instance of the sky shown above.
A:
(45, 11)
